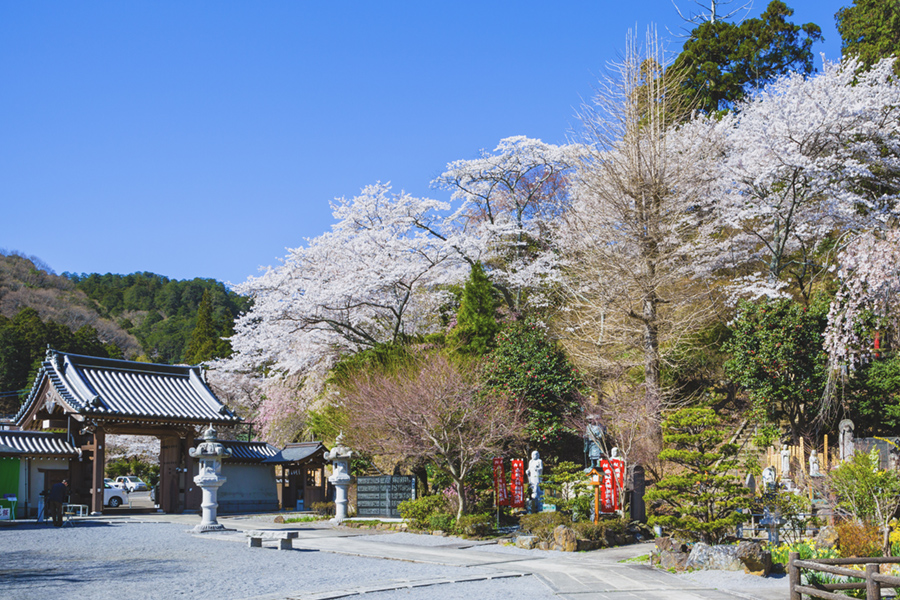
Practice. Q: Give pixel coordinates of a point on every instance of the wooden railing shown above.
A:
(874, 579)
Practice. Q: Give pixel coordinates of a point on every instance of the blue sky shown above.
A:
(202, 139)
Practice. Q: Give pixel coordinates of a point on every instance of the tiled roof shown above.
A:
(108, 388)
(297, 452)
(35, 443)
(249, 451)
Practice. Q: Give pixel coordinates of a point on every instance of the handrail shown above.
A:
(874, 580)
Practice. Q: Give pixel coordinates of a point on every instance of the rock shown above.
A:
(827, 538)
(588, 545)
(720, 558)
(437, 532)
(667, 544)
(527, 542)
(564, 539)
(756, 561)
(544, 546)
(673, 560)
(279, 519)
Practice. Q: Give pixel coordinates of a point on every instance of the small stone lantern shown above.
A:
(210, 453)
(340, 478)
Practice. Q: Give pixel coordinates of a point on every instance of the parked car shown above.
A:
(113, 497)
(130, 483)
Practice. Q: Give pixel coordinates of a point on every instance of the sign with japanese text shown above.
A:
(500, 491)
(517, 485)
(609, 497)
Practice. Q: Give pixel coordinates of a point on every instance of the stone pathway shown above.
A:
(597, 575)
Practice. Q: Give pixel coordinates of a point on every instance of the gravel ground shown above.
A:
(111, 561)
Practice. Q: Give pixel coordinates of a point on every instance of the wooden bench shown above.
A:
(285, 538)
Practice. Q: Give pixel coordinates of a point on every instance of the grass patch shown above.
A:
(637, 559)
(304, 519)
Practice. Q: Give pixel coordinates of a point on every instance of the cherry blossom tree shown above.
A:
(374, 278)
(870, 288)
(508, 200)
(807, 161)
(430, 411)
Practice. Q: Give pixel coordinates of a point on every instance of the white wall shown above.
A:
(248, 488)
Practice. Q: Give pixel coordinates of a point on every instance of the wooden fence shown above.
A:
(874, 580)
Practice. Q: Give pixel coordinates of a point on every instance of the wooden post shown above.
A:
(825, 453)
(793, 576)
(873, 588)
(802, 457)
(97, 470)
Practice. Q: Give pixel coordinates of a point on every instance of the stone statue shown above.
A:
(845, 438)
(814, 464)
(593, 444)
(785, 461)
(768, 475)
(614, 452)
(534, 472)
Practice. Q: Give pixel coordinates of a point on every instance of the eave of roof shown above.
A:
(104, 388)
(35, 444)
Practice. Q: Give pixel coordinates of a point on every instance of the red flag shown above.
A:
(517, 473)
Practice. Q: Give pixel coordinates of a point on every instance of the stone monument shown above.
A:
(814, 468)
(785, 462)
(845, 439)
(768, 476)
(535, 471)
(340, 478)
(210, 454)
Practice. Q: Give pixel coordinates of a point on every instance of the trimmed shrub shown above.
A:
(419, 511)
(475, 525)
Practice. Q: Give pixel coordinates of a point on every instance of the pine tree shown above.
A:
(476, 321)
(703, 498)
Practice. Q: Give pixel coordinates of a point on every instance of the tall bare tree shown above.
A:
(631, 230)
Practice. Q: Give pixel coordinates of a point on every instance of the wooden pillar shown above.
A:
(193, 494)
(97, 470)
(826, 453)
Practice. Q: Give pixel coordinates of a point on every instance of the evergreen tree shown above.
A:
(701, 498)
(205, 342)
(870, 30)
(723, 61)
(476, 321)
(530, 367)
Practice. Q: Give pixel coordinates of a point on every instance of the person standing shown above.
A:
(55, 499)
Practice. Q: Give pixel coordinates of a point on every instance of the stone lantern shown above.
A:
(210, 454)
(340, 478)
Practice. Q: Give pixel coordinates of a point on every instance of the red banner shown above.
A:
(618, 467)
(609, 497)
(500, 491)
(517, 485)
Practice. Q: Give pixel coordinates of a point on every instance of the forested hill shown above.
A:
(142, 316)
(161, 312)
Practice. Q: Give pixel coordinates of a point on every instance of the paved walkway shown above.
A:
(597, 575)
